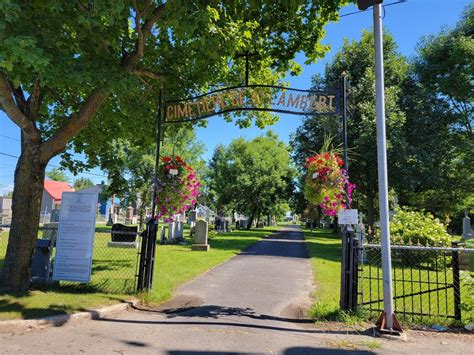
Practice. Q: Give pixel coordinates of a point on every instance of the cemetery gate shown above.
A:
(223, 101)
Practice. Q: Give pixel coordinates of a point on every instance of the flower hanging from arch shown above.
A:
(177, 187)
(326, 182)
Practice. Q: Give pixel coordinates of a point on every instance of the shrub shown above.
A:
(417, 228)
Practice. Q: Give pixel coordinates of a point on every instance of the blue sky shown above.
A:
(407, 22)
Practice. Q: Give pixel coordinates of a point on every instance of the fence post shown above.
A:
(344, 262)
(456, 282)
(141, 267)
(152, 229)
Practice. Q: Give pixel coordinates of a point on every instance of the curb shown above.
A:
(24, 325)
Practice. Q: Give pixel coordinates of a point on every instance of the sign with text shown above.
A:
(75, 243)
(347, 217)
(252, 98)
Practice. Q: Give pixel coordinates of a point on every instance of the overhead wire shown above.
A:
(383, 7)
(53, 165)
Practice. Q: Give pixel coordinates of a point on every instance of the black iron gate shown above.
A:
(426, 280)
(349, 271)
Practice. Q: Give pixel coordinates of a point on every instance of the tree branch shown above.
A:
(130, 60)
(12, 110)
(74, 125)
(83, 8)
(34, 101)
(147, 74)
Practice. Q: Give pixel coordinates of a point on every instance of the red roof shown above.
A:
(56, 188)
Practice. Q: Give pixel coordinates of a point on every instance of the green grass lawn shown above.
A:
(114, 269)
(324, 249)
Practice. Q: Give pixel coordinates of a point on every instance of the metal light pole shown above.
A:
(387, 320)
(344, 119)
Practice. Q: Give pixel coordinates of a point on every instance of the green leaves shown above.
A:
(252, 177)
(418, 228)
(357, 59)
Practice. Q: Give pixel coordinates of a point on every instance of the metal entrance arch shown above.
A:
(264, 98)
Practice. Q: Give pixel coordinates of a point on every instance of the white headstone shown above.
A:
(170, 230)
(178, 230)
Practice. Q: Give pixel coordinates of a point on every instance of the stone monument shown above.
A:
(178, 230)
(129, 215)
(466, 227)
(200, 237)
(170, 231)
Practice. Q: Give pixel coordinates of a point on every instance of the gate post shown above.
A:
(456, 282)
(147, 257)
(141, 267)
(348, 297)
(152, 228)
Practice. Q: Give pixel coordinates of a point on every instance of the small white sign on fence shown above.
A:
(347, 217)
(75, 243)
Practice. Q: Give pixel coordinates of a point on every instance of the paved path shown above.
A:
(250, 304)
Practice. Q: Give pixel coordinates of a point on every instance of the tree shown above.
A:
(82, 183)
(63, 64)
(445, 66)
(254, 177)
(130, 166)
(356, 58)
(57, 175)
(438, 101)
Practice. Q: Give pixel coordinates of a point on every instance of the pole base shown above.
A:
(382, 326)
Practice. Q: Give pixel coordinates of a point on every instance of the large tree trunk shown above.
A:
(26, 205)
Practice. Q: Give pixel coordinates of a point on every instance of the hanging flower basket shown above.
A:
(326, 181)
(177, 187)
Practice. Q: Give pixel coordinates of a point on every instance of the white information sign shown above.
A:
(347, 217)
(75, 243)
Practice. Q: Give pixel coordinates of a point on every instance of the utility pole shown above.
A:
(387, 321)
(387, 317)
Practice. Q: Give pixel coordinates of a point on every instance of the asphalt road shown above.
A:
(254, 303)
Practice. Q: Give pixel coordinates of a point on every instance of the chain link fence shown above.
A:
(114, 261)
(428, 282)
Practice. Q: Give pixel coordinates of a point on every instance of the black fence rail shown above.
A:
(114, 260)
(428, 282)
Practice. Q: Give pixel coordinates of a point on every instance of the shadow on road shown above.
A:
(300, 350)
(217, 312)
(172, 322)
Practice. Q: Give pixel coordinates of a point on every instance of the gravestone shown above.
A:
(192, 219)
(162, 235)
(54, 215)
(129, 215)
(41, 266)
(123, 236)
(466, 227)
(200, 237)
(170, 230)
(178, 230)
